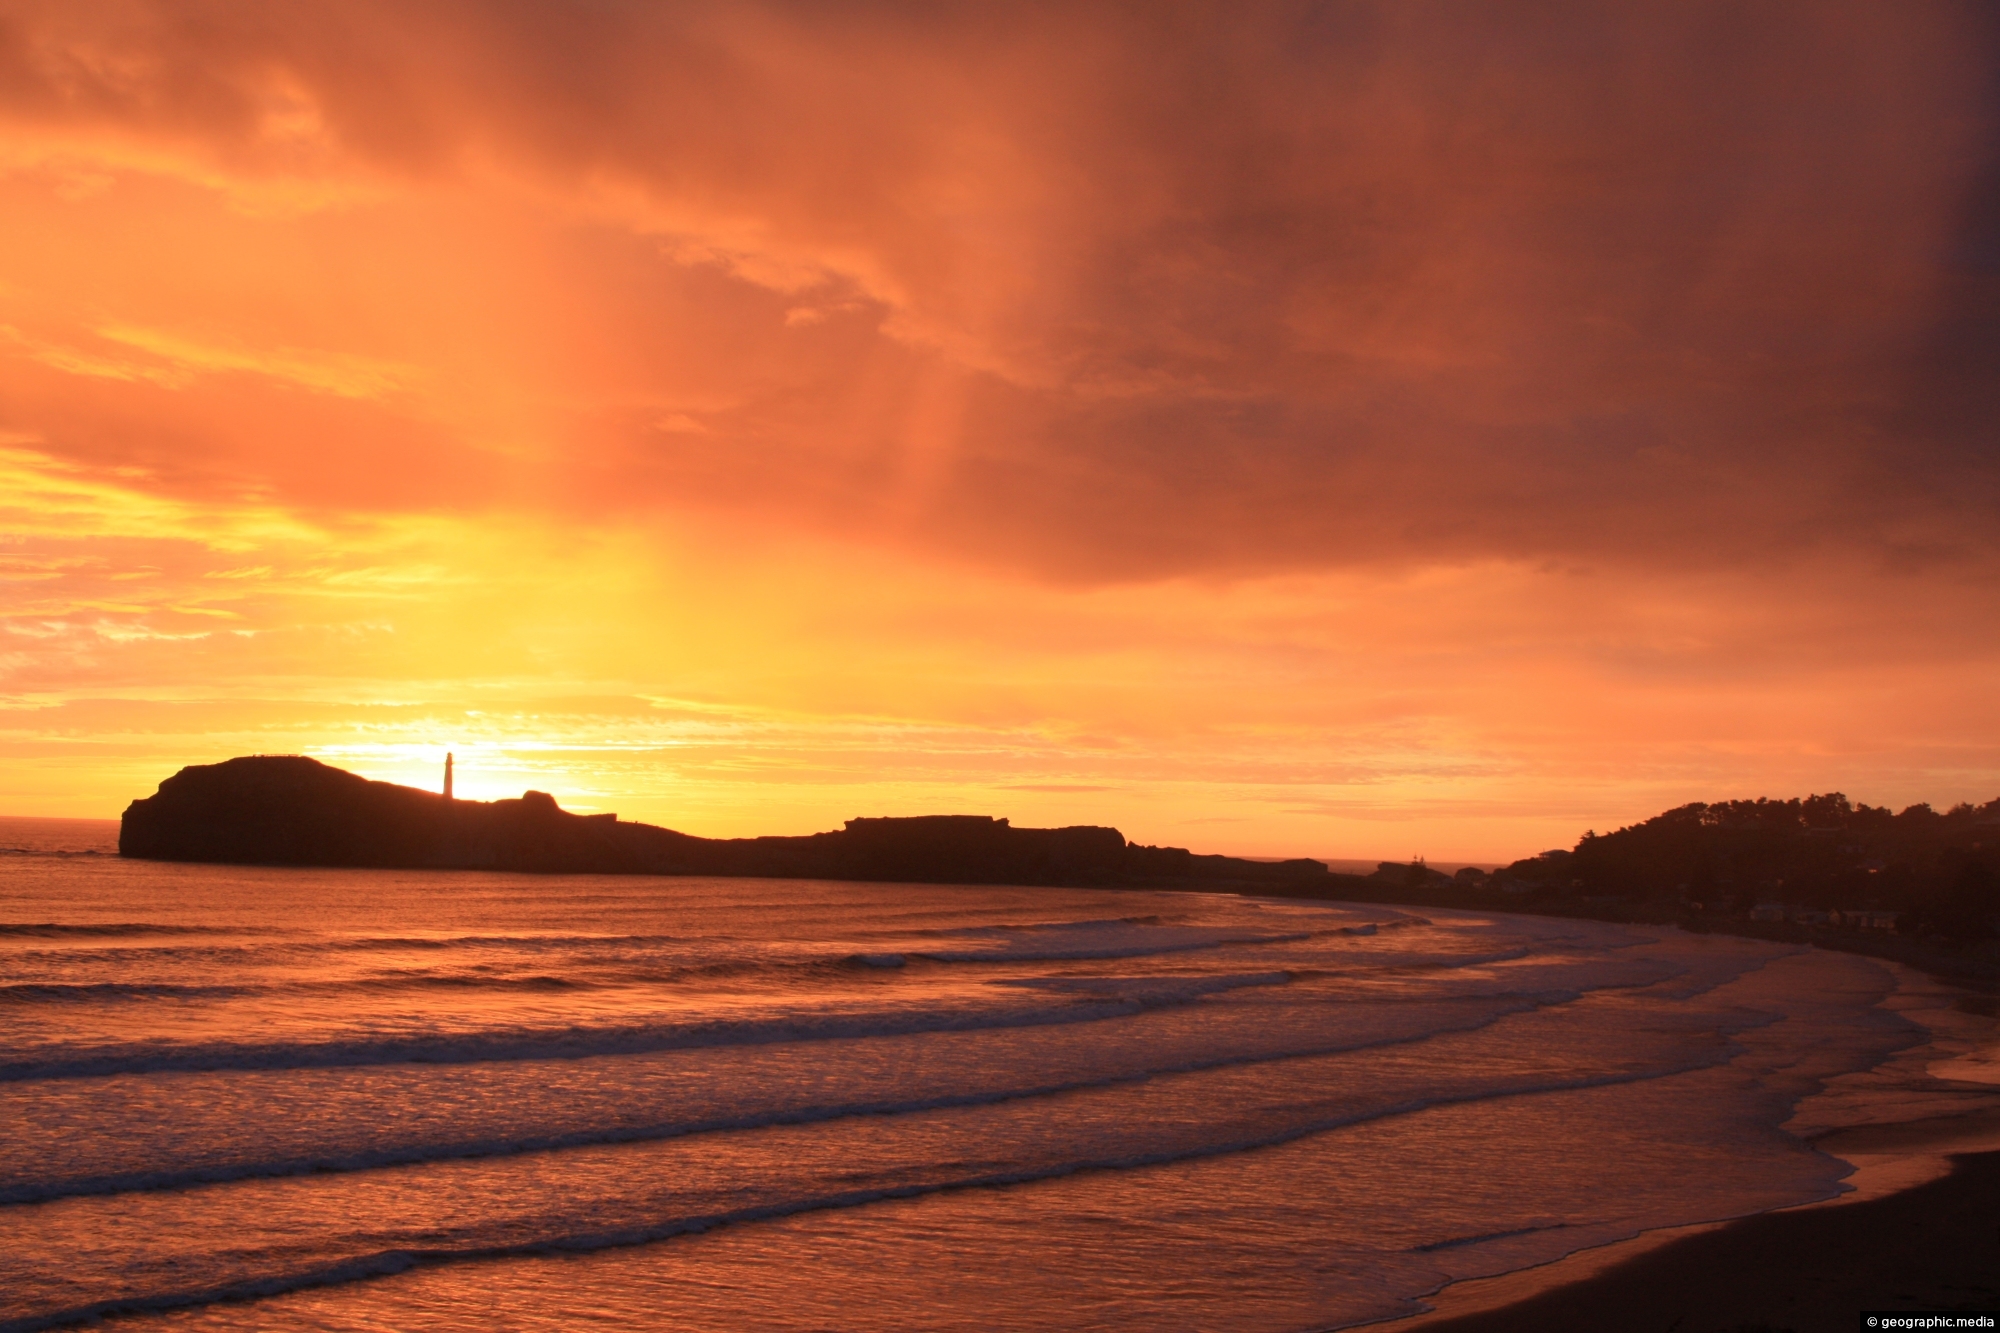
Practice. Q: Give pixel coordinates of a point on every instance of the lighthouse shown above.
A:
(447, 775)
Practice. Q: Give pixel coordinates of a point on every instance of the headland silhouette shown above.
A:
(292, 810)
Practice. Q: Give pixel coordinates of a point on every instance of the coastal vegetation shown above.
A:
(1920, 883)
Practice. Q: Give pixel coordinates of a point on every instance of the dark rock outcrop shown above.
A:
(291, 810)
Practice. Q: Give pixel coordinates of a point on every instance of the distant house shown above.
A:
(1864, 919)
(1809, 916)
(1768, 912)
(1410, 873)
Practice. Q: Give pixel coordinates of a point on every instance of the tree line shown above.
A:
(1935, 870)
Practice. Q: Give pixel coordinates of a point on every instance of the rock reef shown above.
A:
(290, 810)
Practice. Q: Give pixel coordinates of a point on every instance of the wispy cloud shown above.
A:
(342, 374)
(44, 495)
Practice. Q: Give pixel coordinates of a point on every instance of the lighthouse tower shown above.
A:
(447, 775)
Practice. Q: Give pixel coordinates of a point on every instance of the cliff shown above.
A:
(291, 810)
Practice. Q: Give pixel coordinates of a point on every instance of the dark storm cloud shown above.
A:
(1124, 290)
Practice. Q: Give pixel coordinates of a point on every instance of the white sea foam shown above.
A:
(1061, 941)
(1069, 1001)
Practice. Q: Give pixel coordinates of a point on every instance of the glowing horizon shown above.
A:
(1358, 435)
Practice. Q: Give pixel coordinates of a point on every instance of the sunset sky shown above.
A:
(1346, 429)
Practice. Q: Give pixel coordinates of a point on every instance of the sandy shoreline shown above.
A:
(1919, 1228)
(1934, 1246)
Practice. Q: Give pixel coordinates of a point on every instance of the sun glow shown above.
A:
(909, 442)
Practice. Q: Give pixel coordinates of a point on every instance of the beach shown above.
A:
(1919, 1229)
(840, 666)
(244, 1097)
(1935, 1247)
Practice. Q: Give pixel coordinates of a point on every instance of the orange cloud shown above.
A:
(1319, 419)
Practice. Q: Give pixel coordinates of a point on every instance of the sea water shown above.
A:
(237, 1097)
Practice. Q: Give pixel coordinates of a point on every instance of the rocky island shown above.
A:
(292, 810)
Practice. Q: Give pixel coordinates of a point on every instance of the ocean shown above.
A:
(238, 1097)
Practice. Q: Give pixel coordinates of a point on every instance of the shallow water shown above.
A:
(394, 1100)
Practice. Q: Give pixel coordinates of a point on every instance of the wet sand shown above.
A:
(1921, 1231)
